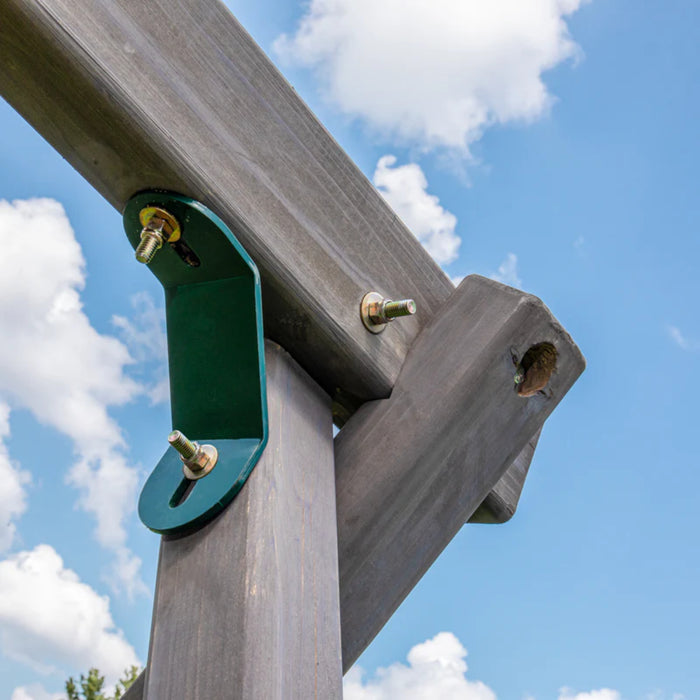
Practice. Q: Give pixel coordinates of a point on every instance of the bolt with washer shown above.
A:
(197, 460)
(377, 312)
(159, 226)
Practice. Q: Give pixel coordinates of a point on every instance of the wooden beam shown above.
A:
(135, 690)
(412, 469)
(139, 95)
(247, 607)
(500, 505)
(157, 94)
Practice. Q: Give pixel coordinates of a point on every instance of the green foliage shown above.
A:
(90, 687)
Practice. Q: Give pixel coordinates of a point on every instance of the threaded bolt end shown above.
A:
(396, 309)
(151, 241)
(185, 447)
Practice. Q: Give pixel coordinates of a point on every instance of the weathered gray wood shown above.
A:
(138, 95)
(500, 505)
(247, 607)
(176, 95)
(412, 469)
(135, 692)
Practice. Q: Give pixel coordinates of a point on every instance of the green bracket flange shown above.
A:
(216, 361)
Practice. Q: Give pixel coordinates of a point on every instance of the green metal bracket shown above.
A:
(216, 361)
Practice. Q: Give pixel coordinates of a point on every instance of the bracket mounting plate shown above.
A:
(216, 361)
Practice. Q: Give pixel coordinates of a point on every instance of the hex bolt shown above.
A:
(376, 311)
(197, 460)
(159, 226)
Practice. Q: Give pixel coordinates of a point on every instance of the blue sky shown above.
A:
(549, 143)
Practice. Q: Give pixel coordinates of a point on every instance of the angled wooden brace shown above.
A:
(412, 469)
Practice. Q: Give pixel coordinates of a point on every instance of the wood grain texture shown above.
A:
(247, 607)
(135, 692)
(412, 469)
(500, 505)
(177, 96)
(140, 95)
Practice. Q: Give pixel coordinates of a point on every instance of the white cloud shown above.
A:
(602, 694)
(50, 620)
(144, 335)
(508, 272)
(434, 72)
(35, 691)
(436, 669)
(60, 368)
(13, 496)
(681, 340)
(405, 189)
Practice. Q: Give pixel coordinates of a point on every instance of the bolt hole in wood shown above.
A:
(535, 369)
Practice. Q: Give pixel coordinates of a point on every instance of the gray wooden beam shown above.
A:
(138, 95)
(412, 469)
(247, 607)
(176, 95)
(500, 505)
(135, 691)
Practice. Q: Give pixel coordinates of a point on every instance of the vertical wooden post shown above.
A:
(248, 606)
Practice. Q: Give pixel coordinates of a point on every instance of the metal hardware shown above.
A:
(197, 460)
(376, 311)
(216, 358)
(159, 226)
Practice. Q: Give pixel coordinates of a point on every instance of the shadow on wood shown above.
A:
(500, 505)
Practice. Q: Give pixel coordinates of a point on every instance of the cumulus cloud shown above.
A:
(434, 72)
(60, 368)
(436, 669)
(144, 335)
(35, 691)
(507, 272)
(13, 495)
(144, 332)
(50, 620)
(405, 189)
(602, 694)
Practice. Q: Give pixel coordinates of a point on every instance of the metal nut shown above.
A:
(159, 226)
(197, 460)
